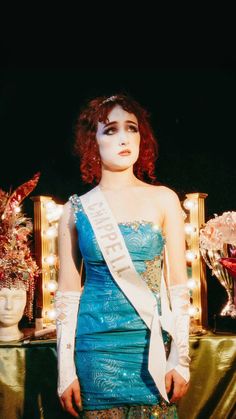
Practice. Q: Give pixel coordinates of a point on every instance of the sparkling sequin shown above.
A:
(76, 205)
(162, 411)
(135, 225)
(152, 275)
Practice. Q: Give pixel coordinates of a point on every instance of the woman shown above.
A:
(121, 319)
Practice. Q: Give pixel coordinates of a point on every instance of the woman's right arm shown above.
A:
(67, 304)
(69, 278)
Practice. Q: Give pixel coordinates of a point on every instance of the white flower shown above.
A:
(218, 231)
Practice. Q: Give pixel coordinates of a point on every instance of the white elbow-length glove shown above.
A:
(66, 304)
(179, 352)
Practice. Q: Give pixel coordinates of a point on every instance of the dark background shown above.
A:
(192, 110)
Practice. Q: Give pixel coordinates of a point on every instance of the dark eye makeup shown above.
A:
(113, 129)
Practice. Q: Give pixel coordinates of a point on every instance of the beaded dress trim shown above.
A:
(161, 411)
(135, 224)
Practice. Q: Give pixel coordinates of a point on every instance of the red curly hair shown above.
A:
(86, 146)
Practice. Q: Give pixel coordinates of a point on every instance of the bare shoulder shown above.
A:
(67, 215)
(165, 194)
(67, 207)
(66, 210)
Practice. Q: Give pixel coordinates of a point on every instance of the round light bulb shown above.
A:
(188, 204)
(193, 310)
(191, 283)
(50, 206)
(50, 260)
(51, 314)
(51, 232)
(52, 286)
(190, 255)
(55, 214)
(189, 228)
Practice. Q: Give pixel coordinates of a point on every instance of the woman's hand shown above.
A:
(72, 397)
(176, 385)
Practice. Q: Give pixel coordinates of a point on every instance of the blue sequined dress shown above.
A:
(112, 341)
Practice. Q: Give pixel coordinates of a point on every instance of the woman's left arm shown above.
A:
(173, 227)
(177, 376)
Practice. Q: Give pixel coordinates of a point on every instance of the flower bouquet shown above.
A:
(218, 248)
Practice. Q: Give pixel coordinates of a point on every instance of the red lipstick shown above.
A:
(125, 152)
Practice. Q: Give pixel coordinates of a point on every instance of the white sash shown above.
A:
(120, 264)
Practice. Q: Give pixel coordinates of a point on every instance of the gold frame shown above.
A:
(43, 247)
(196, 217)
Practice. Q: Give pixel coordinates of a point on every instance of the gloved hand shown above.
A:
(179, 353)
(66, 304)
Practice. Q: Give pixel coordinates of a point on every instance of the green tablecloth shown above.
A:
(212, 390)
(28, 378)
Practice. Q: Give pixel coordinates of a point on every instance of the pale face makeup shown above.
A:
(12, 304)
(118, 140)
